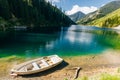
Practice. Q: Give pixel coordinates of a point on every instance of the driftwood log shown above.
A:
(77, 72)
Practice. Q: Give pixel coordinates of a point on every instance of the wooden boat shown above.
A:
(36, 65)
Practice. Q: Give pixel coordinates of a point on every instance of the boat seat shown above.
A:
(54, 59)
(44, 63)
(35, 66)
(24, 69)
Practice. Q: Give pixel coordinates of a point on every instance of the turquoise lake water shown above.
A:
(70, 41)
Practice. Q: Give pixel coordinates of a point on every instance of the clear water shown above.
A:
(70, 41)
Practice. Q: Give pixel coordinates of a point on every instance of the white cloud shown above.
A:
(77, 8)
(102, 5)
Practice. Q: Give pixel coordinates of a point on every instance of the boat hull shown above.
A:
(15, 71)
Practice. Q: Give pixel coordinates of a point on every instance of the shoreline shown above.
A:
(91, 65)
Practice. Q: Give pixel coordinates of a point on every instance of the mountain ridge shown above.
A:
(104, 10)
(110, 20)
(76, 16)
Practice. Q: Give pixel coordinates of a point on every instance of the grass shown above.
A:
(118, 70)
(11, 59)
(83, 78)
(104, 76)
(109, 77)
(7, 63)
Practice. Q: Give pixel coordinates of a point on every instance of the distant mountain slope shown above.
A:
(110, 20)
(106, 9)
(31, 13)
(76, 16)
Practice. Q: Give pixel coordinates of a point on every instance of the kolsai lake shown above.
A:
(70, 41)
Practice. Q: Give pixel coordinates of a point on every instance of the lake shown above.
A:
(69, 41)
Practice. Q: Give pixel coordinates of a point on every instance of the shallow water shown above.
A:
(70, 41)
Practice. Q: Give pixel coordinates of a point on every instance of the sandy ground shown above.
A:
(91, 65)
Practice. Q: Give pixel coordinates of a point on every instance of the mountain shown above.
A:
(110, 20)
(106, 9)
(31, 13)
(76, 16)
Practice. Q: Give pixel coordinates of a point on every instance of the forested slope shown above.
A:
(110, 20)
(31, 13)
(103, 11)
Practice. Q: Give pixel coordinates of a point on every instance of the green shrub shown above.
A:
(118, 70)
(109, 77)
(65, 79)
(83, 78)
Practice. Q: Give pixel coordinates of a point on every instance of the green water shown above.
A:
(72, 41)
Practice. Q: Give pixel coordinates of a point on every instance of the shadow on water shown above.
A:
(44, 73)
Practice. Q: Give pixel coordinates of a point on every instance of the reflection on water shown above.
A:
(72, 41)
(81, 37)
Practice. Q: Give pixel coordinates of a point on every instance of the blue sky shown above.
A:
(86, 6)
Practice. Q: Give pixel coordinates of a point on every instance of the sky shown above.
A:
(73, 6)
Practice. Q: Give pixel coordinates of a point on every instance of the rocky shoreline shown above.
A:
(91, 65)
